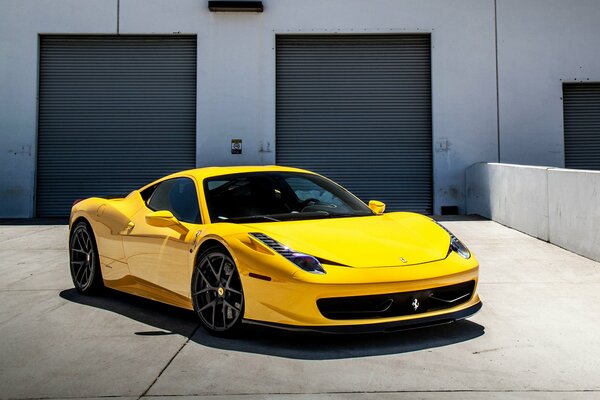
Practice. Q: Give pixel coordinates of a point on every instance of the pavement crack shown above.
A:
(375, 392)
(170, 361)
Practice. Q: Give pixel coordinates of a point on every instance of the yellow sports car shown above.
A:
(273, 246)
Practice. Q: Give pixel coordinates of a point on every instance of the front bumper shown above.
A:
(277, 293)
(295, 303)
(394, 326)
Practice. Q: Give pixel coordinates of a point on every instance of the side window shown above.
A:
(178, 196)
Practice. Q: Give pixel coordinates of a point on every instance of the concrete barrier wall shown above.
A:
(574, 210)
(557, 205)
(513, 195)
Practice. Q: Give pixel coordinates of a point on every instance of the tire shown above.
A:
(217, 292)
(84, 260)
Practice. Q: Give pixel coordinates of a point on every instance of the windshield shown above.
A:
(278, 196)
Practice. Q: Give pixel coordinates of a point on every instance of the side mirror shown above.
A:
(377, 207)
(166, 219)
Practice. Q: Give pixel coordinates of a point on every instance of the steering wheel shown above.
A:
(309, 202)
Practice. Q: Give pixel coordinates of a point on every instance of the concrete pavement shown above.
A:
(536, 336)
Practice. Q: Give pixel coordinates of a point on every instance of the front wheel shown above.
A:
(217, 292)
(83, 257)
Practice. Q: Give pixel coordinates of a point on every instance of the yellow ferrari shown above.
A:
(273, 246)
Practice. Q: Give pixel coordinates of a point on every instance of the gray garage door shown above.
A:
(357, 108)
(582, 125)
(114, 113)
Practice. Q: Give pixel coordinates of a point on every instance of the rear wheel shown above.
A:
(83, 256)
(217, 292)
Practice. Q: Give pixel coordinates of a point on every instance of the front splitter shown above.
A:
(394, 326)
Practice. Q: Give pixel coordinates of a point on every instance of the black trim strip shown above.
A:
(234, 5)
(258, 276)
(380, 327)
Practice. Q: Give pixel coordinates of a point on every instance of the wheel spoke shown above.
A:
(89, 244)
(208, 289)
(214, 311)
(84, 276)
(234, 291)
(212, 269)
(90, 268)
(79, 241)
(79, 251)
(81, 238)
(232, 306)
(229, 279)
(205, 280)
(221, 266)
(211, 304)
(86, 241)
(78, 273)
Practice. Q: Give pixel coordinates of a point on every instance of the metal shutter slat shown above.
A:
(357, 108)
(581, 102)
(114, 114)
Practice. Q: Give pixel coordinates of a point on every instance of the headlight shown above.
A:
(304, 261)
(456, 245)
(307, 263)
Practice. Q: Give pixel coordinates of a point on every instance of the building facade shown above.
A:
(392, 98)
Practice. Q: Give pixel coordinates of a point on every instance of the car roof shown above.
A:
(209, 172)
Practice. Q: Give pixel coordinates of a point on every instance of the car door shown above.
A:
(159, 257)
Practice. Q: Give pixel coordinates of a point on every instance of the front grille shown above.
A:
(396, 304)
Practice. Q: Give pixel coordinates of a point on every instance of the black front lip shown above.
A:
(379, 327)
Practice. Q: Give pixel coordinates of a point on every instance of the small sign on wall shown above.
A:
(236, 146)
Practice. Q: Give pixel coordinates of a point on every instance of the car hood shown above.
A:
(393, 239)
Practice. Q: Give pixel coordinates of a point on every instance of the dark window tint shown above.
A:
(178, 196)
(281, 195)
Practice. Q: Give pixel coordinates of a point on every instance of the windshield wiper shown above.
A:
(249, 218)
(303, 215)
(344, 215)
(292, 216)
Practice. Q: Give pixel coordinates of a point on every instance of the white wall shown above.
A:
(236, 73)
(20, 24)
(541, 44)
(557, 205)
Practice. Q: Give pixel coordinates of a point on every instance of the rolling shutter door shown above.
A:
(115, 113)
(582, 125)
(357, 108)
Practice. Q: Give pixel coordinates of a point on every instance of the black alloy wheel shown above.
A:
(217, 292)
(83, 257)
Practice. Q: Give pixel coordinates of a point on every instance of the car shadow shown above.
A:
(168, 320)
